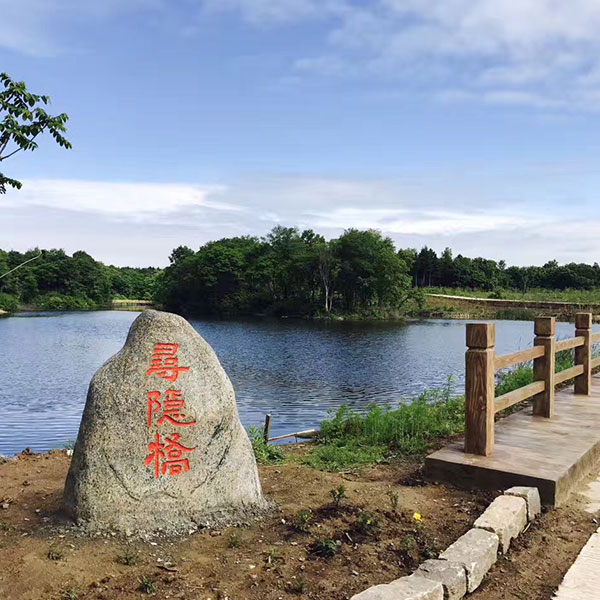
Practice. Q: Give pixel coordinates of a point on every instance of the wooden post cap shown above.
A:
(481, 335)
(545, 326)
(583, 320)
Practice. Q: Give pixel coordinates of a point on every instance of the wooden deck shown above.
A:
(552, 454)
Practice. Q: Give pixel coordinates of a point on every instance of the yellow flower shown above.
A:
(417, 517)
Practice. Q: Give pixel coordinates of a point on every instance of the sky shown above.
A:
(469, 124)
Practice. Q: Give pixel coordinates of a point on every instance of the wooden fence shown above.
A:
(482, 364)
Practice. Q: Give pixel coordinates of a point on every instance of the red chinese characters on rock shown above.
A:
(172, 407)
(170, 454)
(165, 363)
(167, 455)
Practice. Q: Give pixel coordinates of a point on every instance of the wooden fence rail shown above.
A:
(482, 364)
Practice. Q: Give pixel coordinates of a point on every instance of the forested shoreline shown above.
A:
(288, 272)
(53, 280)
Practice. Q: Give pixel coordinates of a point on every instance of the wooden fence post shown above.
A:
(479, 388)
(267, 428)
(583, 354)
(543, 367)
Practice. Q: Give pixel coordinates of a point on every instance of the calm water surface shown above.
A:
(297, 370)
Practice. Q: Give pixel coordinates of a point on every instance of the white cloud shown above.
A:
(410, 222)
(540, 53)
(126, 201)
(140, 223)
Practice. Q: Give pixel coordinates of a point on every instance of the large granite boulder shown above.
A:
(160, 444)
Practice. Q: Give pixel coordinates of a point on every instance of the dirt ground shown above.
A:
(375, 537)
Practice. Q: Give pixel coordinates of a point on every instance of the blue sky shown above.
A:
(467, 124)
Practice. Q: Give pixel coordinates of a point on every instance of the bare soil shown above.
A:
(43, 556)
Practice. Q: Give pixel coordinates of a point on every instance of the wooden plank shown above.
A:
(509, 360)
(570, 343)
(306, 434)
(518, 395)
(595, 362)
(562, 376)
(595, 337)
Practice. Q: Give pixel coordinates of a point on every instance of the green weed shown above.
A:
(303, 520)
(366, 523)
(147, 585)
(266, 454)
(338, 495)
(129, 557)
(326, 547)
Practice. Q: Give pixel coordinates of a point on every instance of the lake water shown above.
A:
(297, 370)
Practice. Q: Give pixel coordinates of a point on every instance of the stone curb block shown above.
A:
(506, 516)
(412, 587)
(461, 568)
(450, 574)
(531, 495)
(477, 551)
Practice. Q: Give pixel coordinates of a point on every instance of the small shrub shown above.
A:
(265, 453)
(71, 594)
(366, 523)
(326, 547)
(303, 520)
(55, 553)
(338, 494)
(147, 585)
(233, 540)
(394, 499)
(129, 557)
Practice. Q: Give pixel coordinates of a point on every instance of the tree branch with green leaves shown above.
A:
(23, 119)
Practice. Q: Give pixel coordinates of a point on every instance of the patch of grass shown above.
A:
(326, 547)
(266, 454)
(349, 439)
(303, 520)
(299, 586)
(70, 594)
(129, 557)
(147, 585)
(343, 455)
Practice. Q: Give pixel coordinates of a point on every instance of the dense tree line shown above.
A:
(55, 280)
(429, 269)
(288, 272)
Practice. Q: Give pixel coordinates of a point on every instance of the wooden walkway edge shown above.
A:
(553, 455)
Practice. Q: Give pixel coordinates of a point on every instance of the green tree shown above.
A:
(23, 120)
